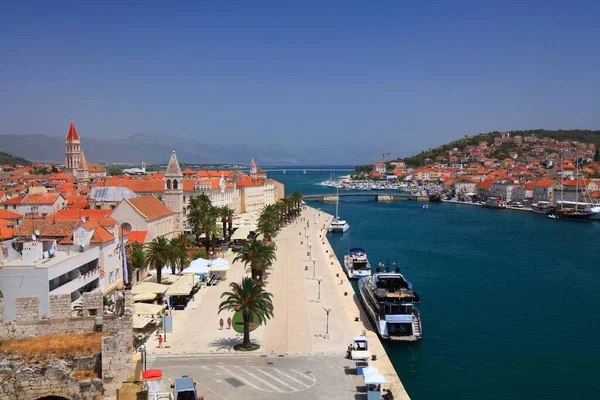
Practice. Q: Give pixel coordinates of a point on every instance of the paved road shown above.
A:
(265, 378)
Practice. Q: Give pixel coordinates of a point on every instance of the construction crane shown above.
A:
(383, 154)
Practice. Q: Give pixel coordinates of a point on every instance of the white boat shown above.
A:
(390, 303)
(356, 264)
(337, 224)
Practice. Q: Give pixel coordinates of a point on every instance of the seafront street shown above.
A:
(298, 329)
(268, 377)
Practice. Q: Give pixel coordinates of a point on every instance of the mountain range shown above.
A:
(155, 148)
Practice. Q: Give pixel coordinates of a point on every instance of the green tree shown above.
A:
(268, 221)
(597, 156)
(252, 301)
(226, 215)
(158, 254)
(258, 256)
(179, 251)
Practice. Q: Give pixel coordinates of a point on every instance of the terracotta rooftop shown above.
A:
(47, 228)
(150, 207)
(545, 183)
(6, 214)
(14, 200)
(96, 168)
(40, 198)
(137, 236)
(76, 215)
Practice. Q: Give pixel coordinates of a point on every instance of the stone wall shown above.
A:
(117, 352)
(60, 306)
(29, 323)
(28, 308)
(32, 380)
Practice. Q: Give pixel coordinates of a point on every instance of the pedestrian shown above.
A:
(160, 340)
(221, 323)
(229, 323)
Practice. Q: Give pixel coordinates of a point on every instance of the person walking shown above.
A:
(229, 323)
(160, 340)
(221, 324)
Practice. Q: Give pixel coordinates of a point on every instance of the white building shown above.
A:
(85, 261)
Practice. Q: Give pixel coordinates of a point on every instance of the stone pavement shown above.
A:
(300, 322)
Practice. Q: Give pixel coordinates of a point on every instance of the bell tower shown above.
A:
(173, 197)
(72, 151)
(253, 170)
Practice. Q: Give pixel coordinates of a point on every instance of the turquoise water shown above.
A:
(509, 300)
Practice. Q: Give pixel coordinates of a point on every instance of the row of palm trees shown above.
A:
(202, 217)
(162, 251)
(274, 216)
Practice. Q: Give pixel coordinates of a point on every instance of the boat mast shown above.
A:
(576, 182)
(562, 175)
(337, 202)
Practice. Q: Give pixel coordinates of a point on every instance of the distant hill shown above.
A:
(579, 135)
(156, 149)
(6, 158)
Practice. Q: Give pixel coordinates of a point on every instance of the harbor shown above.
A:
(306, 279)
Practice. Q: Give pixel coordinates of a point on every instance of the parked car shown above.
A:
(517, 204)
(184, 388)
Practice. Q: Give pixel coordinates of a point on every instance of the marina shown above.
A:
(460, 270)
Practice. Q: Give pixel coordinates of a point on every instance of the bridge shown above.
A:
(379, 196)
(305, 170)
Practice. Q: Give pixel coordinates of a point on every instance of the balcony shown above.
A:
(79, 282)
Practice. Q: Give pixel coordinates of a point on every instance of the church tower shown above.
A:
(72, 151)
(83, 174)
(253, 169)
(173, 197)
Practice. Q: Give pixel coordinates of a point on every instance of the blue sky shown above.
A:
(399, 75)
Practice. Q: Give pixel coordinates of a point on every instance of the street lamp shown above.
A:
(327, 310)
(319, 279)
(310, 250)
(314, 261)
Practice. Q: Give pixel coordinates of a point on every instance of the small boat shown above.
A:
(540, 207)
(570, 214)
(425, 206)
(390, 303)
(337, 224)
(435, 197)
(497, 204)
(356, 264)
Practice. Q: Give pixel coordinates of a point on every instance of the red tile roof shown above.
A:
(150, 207)
(5, 214)
(75, 202)
(76, 215)
(14, 200)
(6, 233)
(47, 228)
(485, 184)
(96, 168)
(72, 134)
(545, 183)
(40, 198)
(5, 222)
(137, 236)
(139, 186)
(100, 235)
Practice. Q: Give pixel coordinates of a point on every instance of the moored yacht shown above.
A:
(390, 302)
(337, 224)
(356, 264)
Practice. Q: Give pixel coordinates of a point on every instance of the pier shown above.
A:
(378, 196)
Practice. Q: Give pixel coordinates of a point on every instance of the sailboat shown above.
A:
(337, 224)
(567, 213)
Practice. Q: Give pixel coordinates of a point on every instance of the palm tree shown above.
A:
(208, 225)
(296, 196)
(251, 300)
(268, 221)
(256, 255)
(197, 208)
(179, 251)
(226, 215)
(157, 255)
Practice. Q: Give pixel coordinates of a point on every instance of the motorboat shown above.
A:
(356, 264)
(540, 207)
(390, 303)
(337, 224)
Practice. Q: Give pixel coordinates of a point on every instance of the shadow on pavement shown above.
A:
(226, 343)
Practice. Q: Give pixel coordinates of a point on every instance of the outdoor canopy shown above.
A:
(198, 266)
(219, 265)
(182, 286)
(149, 287)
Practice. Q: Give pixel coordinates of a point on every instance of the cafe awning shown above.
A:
(182, 286)
(144, 296)
(146, 309)
(140, 322)
(219, 265)
(149, 287)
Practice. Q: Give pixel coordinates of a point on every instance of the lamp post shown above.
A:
(310, 250)
(314, 261)
(327, 310)
(319, 279)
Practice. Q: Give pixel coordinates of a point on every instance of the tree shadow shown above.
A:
(226, 343)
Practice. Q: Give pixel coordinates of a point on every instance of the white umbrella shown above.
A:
(219, 264)
(198, 266)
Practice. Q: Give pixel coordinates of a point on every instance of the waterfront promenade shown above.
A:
(299, 326)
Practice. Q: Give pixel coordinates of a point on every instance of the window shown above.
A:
(111, 278)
